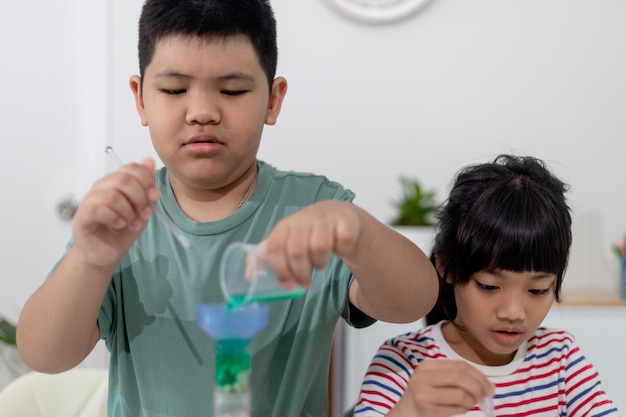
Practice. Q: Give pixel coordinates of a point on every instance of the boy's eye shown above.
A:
(233, 92)
(173, 92)
(486, 287)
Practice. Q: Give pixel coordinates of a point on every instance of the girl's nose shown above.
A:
(512, 308)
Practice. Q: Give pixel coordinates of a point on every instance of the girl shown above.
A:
(501, 251)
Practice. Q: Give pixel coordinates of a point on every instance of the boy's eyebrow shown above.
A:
(236, 75)
(171, 74)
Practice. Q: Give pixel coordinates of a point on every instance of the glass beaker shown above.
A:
(246, 277)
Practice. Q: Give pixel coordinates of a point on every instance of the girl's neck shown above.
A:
(470, 348)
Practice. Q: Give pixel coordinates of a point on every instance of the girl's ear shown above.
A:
(441, 270)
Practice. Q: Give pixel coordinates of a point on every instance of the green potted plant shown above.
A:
(11, 363)
(7, 332)
(417, 206)
(415, 211)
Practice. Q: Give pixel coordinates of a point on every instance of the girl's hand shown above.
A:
(440, 388)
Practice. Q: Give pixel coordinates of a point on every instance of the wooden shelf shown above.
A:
(590, 298)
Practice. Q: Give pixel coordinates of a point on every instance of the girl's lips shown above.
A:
(507, 338)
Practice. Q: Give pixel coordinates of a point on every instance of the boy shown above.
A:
(203, 92)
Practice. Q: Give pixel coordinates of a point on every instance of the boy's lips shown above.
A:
(202, 144)
(203, 138)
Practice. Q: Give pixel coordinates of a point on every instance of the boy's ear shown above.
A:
(135, 87)
(277, 94)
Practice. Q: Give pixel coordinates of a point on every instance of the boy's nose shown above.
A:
(200, 110)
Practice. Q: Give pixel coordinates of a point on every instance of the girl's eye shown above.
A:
(486, 287)
(539, 291)
(233, 92)
(172, 92)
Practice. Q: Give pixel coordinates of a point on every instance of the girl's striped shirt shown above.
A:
(549, 376)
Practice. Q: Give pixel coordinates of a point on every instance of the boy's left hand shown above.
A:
(307, 238)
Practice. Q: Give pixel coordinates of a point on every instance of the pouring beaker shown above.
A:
(246, 277)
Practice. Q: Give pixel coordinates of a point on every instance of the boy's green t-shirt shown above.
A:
(162, 363)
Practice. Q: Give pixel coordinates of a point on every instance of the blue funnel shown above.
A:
(223, 323)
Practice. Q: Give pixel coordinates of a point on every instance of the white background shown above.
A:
(458, 83)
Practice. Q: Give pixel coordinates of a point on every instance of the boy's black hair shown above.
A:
(210, 18)
(511, 215)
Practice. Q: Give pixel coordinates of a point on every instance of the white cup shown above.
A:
(246, 277)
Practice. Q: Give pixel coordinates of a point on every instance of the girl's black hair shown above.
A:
(510, 214)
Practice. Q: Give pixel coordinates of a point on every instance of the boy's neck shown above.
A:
(208, 205)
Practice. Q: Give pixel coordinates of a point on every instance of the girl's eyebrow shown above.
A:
(542, 276)
(537, 276)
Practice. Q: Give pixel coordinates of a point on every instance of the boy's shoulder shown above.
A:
(298, 179)
(280, 173)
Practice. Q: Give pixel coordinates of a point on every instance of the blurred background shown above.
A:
(457, 83)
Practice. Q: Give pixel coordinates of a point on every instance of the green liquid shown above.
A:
(232, 366)
(239, 299)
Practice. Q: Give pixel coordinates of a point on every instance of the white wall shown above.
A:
(458, 83)
(52, 126)
(51, 117)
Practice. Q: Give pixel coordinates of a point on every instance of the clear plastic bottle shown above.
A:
(232, 330)
(232, 379)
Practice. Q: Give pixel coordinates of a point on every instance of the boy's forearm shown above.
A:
(396, 281)
(57, 327)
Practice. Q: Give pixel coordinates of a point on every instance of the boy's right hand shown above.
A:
(114, 213)
(442, 388)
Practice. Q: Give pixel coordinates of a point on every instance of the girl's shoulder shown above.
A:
(548, 336)
(424, 335)
(423, 343)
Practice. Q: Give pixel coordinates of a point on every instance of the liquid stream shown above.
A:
(240, 299)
